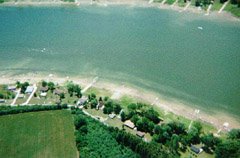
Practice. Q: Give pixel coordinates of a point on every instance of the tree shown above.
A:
(209, 142)
(93, 103)
(228, 148)
(62, 96)
(123, 116)
(135, 119)
(193, 136)
(152, 115)
(198, 126)
(222, 1)
(51, 86)
(198, 3)
(44, 83)
(145, 125)
(132, 107)
(79, 121)
(234, 134)
(117, 108)
(174, 143)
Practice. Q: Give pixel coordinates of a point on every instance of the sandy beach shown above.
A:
(175, 106)
(133, 3)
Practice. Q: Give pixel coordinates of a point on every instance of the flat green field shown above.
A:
(47, 134)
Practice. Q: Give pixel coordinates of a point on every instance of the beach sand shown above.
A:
(133, 3)
(118, 90)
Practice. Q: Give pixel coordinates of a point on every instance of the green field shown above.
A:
(38, 135)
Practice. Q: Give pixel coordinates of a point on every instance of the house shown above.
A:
(29, 89)
(57, 91)
(12, 88)
(140, 134)
(100, 105)
(196, 149)
(43, 94)
(21, 96)
(44, 89)
(129, 124)
(112, 115)
(2, 100)
(82, 101)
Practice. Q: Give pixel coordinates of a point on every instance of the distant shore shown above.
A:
(175, 106)
(133, 3)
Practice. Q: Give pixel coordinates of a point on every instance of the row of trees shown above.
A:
(6, 110)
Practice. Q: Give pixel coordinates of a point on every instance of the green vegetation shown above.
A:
(111, 142)
(217, 5)
(68, 0)
(94, 140)
(38, 134)
(1, 1)
(74, 89)
(182, 3)
(6, 94)
(6, 110)
(233, 8)
(170, 1)
(23, 86)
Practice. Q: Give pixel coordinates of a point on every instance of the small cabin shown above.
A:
(129, 124)
(2, 100)
(196, 149)
(140, 134)
(29, 89)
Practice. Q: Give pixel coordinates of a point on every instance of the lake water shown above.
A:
(159, 50)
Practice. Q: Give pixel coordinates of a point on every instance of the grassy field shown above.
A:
(38, 135)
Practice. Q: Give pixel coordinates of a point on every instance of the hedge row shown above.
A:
(6, 110)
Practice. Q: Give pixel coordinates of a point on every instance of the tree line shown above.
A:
(6, 110)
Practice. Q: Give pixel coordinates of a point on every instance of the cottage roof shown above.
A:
(12, 87)
(140, 134)
(58, 91)
(195, 149)
(29, 89)
(43, 94)
(44, 89)
(112, 115)
(21, 96)
(129, 124)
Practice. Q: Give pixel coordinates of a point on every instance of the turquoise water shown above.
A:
(159, 50)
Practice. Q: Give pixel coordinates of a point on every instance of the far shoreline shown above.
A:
(172, 105)
(132, 3)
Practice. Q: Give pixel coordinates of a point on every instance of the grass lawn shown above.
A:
(38, 135)
(216, 5)
(234, 9)
(181, 3)
(170, 1)
(189, 153)
(157, 1)
(98, 92)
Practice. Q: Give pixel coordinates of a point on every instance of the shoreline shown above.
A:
(177, 107)
(132, 3)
